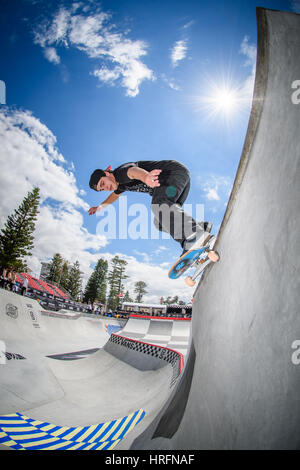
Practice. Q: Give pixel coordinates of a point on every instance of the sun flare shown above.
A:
(224, 100)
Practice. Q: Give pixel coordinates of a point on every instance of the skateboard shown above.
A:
(198, 258)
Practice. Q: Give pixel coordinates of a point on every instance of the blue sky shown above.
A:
(91, 84)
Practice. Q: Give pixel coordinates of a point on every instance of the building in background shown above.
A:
(45, 270)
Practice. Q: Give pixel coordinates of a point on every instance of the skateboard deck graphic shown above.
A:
(199, 258)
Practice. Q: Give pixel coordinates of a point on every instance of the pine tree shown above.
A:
(115, 278)
(64, 277)
(55, 270)
(74, 284)
(96, 285)
(170, 300)
(127, 297)
(140, 290)
(16, 238)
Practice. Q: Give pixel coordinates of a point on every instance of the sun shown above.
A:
(225, 101)
(222, 99)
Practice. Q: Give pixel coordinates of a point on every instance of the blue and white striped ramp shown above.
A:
(22, 433)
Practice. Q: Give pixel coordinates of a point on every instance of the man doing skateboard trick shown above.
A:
(168, 183)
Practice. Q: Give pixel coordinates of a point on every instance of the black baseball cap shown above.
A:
(95, 177)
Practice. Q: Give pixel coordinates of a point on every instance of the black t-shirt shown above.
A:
(127, 184)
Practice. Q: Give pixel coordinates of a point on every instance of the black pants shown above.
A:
(167, 201)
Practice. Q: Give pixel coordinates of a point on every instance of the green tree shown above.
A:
(74, 284)
(55, 269)
(64, 277)
(140, 290)
(96, 285)
(115, 278)
(127, 297)
(16, 238)
(170, 300)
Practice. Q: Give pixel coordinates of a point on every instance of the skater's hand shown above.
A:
(94, 209)
(152, 179)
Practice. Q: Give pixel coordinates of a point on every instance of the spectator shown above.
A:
(8, 284)
(25, 286)
(4, 278)
(13, 277)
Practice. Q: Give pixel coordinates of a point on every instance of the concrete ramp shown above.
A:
(66, 383)
(242, 383)
(24, 323)
(173, 333)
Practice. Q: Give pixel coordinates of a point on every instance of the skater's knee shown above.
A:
(164, 209)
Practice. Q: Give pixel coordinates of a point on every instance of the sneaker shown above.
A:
(207, 226)
(196, 240)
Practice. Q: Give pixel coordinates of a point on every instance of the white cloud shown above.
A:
(144, 256)
(89, 34)
(178, 52)
(212, 195)
(249, 51)
(107, 76)
(29, 157)
(92, 33)
(165, 265)
(170, 82)
(188, 25)
(53, 33)
(216, 188)
(173, 85)
(161, 248)
(51, 55)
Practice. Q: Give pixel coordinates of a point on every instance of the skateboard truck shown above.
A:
(201, 263)
(196, 257)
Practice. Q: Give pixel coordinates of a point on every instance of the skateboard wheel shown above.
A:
(189, 281)
(213, 256)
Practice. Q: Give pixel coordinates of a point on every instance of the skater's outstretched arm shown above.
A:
(110, 200)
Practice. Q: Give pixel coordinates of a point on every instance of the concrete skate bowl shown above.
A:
(241, 382)
(66, 384)
(77, 382)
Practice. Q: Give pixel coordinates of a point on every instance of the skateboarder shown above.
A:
(168, 183)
